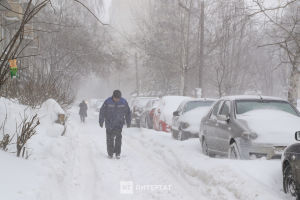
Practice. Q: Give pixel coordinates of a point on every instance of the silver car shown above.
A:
(244, 127)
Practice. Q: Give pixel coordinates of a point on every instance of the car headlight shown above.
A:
(185, 125)
(249, 135)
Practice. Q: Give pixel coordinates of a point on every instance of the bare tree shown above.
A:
(13, 48)
(27, 130)
(285, 21)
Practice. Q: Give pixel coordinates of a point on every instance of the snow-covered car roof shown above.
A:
(254, 97)
(141, 101)
(200, 99)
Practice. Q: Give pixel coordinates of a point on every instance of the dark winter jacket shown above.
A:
(83, 109)
(114, 114)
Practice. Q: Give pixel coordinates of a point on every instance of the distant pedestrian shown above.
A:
(114, 112)
(83, 111)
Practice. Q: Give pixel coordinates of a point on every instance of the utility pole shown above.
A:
(201, 48)
(137, 76)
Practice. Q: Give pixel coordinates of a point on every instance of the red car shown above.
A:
(162, 119)
(146, 119)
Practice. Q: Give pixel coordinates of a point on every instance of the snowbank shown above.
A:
(20, 178)
(50, 110)
(47, 114)
(13, 111)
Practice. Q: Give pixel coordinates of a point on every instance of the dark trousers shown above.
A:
(114, 141)
(82, 117)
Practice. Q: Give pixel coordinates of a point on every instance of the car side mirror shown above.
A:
(297, 136)
(176, 113)
(225, 118)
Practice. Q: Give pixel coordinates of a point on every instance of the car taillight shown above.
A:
(151, 113)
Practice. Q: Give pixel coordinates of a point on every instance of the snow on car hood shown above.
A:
(272, 126)
(194, 117)
(169, 105)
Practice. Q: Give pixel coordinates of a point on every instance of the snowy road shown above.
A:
(159, 167)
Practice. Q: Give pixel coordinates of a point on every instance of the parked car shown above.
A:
(146, 119)
(291, 168)
(138, 105)
(162, 119)
(243, 127)
(186, 119)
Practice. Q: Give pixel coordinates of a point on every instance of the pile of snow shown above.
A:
(168, 105)
(272, 126)
(47, 115)
(194, 117)
(20, 178)
(50, 110)
(13, 111)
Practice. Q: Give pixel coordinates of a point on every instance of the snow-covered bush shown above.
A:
(26, 130)
(33, 92)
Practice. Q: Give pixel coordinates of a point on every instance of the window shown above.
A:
(215, 110)
(225, 109)
(243, 106)
(195, 104)
(180, 108)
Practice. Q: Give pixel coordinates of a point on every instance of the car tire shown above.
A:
(233, 152)
(289, 183)
(180, 135)
(146, 123)
(174, 135)
(160, 127)
(204, 147)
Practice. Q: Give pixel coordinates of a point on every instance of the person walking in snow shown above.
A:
(83, 111)
(114, 112)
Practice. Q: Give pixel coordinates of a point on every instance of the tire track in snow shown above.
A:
(218, 183)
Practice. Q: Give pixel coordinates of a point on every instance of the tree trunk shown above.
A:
(201, 47)
(293, 86)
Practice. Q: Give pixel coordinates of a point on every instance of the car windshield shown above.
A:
(195, 104)
(141, 102)
(243, 106)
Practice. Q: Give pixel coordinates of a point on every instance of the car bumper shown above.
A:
(135, 121)
(269, 151)
(191, 135)
(188, 134)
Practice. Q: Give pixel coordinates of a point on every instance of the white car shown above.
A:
(187, 118)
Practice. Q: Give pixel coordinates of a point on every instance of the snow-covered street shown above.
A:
(76, 167)
(201, 97)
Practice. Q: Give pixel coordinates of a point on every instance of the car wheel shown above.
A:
(181, 135)
(233, 152)
(160, 127)
(204, 147)
(146, 123)
(138, 124)
(174, 135)
(289, 182)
